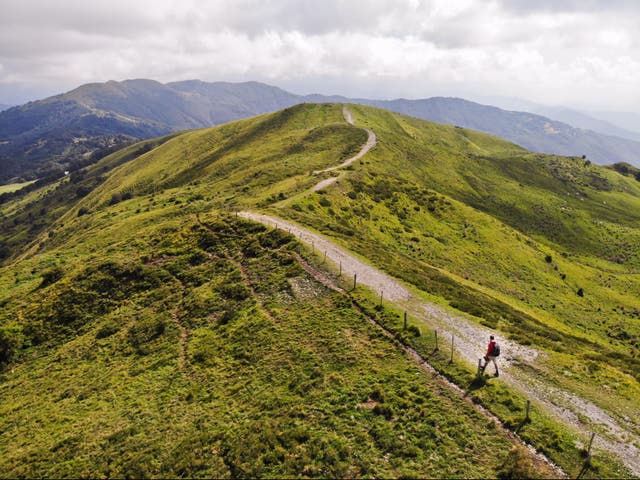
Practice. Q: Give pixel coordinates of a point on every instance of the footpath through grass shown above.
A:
(277, 376)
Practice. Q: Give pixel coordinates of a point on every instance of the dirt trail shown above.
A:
(470, 343)
(470, 338)
(371, 142)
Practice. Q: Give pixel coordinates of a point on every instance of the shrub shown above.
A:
(144, 331)
(235, 291)
(51, 276)
(107, 330)
(413, 330)
(517, 464)
(580, 292)
(10, 340)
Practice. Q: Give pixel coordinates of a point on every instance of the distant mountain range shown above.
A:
(4, 107)
(72, 129)
(628, 120)
(583, 120)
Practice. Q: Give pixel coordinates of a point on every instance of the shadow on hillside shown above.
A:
(477, 383)
(585, 468)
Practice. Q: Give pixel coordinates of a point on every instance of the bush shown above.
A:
(517, 464)
(144, 331)
(11, 339)
(413, 330)
(51, 276)
(107, 330)
(235, 291)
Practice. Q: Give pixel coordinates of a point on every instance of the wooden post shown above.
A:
(405, 320)
(452, 341)
(478, 373)
(590, 443)
(528, 408)
(381, 293)
(325, 257)
(340, 274)
(355, 280)
(436, 333)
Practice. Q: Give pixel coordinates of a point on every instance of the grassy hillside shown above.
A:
(59, 132)
(533, 131)
(13, 187)
(173, 339)
(542, 248)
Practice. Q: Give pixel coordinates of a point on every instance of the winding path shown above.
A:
(470, 338)
(371, 142)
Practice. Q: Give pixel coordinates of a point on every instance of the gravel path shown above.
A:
(470, 338)
(371, 142)
(470, 343)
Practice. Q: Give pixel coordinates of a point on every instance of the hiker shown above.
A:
(493, 350)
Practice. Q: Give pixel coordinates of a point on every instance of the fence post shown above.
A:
(436, 333)
(405, 320)
(479, 368)
(381, 293)
(590, 443)
(325, 257)
(340, 274)
(355, 280)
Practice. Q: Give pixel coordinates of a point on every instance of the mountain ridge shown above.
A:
(133, 276)
(63, 130)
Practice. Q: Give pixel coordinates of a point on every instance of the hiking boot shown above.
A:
(496, 374)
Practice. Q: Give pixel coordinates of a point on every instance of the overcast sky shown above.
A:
(569, 52)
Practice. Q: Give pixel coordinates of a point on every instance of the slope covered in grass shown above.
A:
(201, 348)
(541, 248)
(158, 325)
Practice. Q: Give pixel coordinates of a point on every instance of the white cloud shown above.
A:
(556, 52)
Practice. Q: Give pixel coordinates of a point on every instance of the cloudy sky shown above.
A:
(571, 52)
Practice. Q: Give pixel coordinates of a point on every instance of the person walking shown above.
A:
(493, 351)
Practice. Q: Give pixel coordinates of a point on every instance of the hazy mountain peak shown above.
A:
(39, 136)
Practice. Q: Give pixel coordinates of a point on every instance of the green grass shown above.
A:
(519, 270)
(12, 187)
(277, 377)
(506, 237)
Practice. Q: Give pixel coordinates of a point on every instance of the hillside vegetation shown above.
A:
(70, 130)
(543, 248)
(146, 331)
